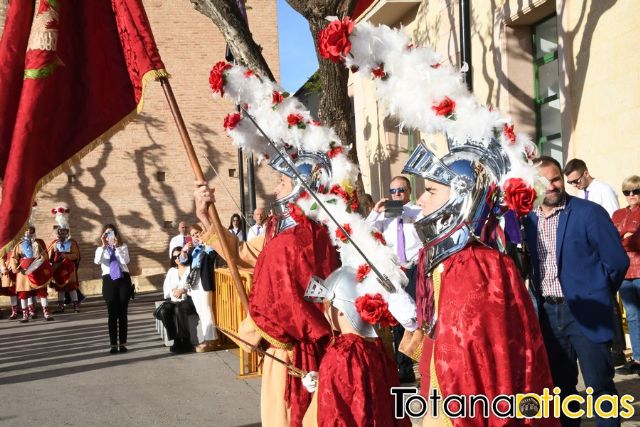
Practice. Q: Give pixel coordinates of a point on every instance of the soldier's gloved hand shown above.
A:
(310, 381)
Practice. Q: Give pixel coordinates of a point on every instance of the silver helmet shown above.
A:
(314, 168)
(341, 290)
(471, 170)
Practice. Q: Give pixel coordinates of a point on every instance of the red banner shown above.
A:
(70, 77)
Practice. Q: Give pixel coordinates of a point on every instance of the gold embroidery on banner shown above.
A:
(44, 31)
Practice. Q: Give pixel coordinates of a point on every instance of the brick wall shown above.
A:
(119, 181)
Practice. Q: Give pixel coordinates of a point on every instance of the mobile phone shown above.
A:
(187, 240)
(393, 208)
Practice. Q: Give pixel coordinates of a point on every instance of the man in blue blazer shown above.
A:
(577, 266)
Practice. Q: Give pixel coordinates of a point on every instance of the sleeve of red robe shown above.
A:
(354, 384)
(488, 339)
(277, 304)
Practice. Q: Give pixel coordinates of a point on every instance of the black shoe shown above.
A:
(114, 349)
(629, 368)
(123, 349)
(619, 358)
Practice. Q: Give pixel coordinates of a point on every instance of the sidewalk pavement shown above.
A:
(61, 373)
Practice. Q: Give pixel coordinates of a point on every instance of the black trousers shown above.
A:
(117, 294)
(176, 319)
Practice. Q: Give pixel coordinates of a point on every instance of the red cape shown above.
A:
(488, 339)
(277, 304)
(354, 384)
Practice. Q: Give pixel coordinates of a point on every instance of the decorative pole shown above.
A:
(199, 175)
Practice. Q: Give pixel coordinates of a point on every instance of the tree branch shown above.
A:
(226, 15)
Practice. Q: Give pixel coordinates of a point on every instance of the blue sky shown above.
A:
(297, 56)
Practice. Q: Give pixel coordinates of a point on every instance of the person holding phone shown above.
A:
(113, 256)
(394, 218)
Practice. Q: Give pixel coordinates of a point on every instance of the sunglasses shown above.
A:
(576, 181)
(635, 192)
(175, 256)
(397, 190)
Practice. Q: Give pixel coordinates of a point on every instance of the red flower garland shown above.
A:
(519, 196)
(446, 107)
(333, 40)
(509, 133)
(379, 72)
(295, 120)
(216, 77)
(340, 235)
(335, 151)
(379, 237)
(231, 121)
(362, 272)
(277, 97)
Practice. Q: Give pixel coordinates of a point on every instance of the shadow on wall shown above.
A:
(160, 197)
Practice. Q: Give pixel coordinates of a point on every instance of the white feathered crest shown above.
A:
(422, 91)
(289, 124)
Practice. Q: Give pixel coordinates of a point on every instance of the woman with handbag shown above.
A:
(113, 256)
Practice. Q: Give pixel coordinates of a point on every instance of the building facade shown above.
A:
(140, 179)
(564, 70)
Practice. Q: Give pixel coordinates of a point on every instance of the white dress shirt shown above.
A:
(173, 280)
(175, 242)
(236, 232)
(602, 194)
(255, 231)
(102, 258)
(389, 229)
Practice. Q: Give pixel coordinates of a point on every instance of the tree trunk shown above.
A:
(226, 15)
(335, 105)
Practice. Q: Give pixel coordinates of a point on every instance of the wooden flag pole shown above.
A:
(199, 175)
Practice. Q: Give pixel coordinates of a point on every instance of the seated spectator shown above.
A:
(235, 227)
(200, 283)
(175, 314)
(627, 221)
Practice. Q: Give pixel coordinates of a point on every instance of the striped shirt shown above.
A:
(546, 245)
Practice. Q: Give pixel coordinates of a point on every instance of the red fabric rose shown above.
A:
(335, 151)
(277, 97)
(436, 65)
(248, 73)
(340, 235)
(355, 204)
(379, 73)
(333, 40)
(379, 237)
(231, 121)
(372, 308)
(53, 211)
(339, 191)
(446, 107)
(519, 196)
(60, 210)
(362, 272)
(509, 133)
(216, 77)
(295, 120)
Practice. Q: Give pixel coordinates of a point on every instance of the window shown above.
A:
(546, 88)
